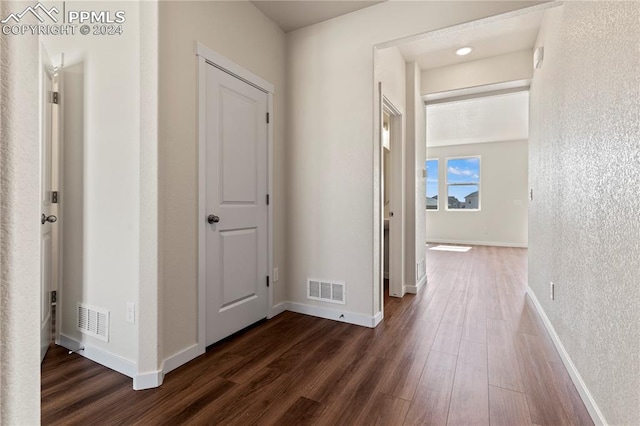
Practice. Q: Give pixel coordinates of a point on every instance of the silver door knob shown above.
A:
(212, 218)
(50, 219)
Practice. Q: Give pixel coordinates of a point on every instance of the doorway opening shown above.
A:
(393, 188)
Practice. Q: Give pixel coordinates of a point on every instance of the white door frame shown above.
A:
(207, 57)
(397, 222)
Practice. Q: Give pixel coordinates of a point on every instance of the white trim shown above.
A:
(206, 57)
(277, 309)
(585, 395)
(225, 64)
(148, 380)
(336, 315)
(270, 313)
(102, 357)
(377, 319)
(202, 107)
(180, 358)
(476, 243)
(414, 289)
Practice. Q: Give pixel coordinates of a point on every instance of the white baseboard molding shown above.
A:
(149, 380)
(414, 289)
(477, 243)
(277, 309)
(102, 357)
(334, 314)
(587, 398)
(180, 358)
(377, 319)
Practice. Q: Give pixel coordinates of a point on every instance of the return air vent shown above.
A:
(420, 269)
(326, 291)
(93, 321)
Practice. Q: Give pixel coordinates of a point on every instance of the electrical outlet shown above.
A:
(276, 274)
(552, 288)
(131, 312)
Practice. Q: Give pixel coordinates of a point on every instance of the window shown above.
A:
(463, 183)
(432, 184)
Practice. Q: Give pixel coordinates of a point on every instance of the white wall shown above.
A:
(333, 215)
(243, 34)
(497, 69)
(101, 194)
(416, 140)
(19, 228)
(502, 219)
(583, 220)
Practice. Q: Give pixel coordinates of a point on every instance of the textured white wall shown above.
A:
(502, 219)
(19, 229)
(102, 176)
(243, 34)
(513, 66)
(332, 123)
(584, 170)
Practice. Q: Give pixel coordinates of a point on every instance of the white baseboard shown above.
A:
(148, 380)
(377, 319)
(277, 309)
(476, 243)
(180, 358)
(333, 314)
(587, 398)
(414, 289)
(102, 357)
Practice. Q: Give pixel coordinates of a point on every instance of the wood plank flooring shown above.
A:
(470, 349)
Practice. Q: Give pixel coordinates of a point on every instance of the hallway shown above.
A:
(469, 349)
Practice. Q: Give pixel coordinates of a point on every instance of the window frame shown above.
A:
(478, 184)
(426, 183)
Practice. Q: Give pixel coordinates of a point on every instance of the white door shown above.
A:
(236, 206)
(47, 218)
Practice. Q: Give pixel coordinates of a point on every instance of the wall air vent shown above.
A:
(326, 291)
(420, 269)
(93, 321)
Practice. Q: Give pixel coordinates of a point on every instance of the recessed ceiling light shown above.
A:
(464, 51)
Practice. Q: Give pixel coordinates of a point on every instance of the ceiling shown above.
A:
(291, 15)
(489, 39)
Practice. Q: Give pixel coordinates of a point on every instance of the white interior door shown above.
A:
(236, 208)
(47, 218)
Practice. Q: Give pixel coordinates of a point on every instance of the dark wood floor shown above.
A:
(468, 350)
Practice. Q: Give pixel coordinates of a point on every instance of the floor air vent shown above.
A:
(93, 321)
(326, 291)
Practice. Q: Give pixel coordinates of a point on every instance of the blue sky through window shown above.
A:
(432, 178)
(463, 171)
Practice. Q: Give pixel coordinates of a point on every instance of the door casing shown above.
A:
(207, 57)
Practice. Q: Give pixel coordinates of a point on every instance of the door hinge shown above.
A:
(267, 199)
(267, 280)
(54, 197)
(267, 118)
(54, 296)
(55, 97)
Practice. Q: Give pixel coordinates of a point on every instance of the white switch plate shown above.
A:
(131, 312)
(276, 274)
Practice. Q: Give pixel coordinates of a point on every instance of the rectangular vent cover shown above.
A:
(326, 291)
(93, 321)
(420, 269)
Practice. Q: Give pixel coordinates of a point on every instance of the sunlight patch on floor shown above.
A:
(460, 249)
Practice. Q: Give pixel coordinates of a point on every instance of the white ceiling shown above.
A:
(291, 15)
(490, 39)
(487, 119)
